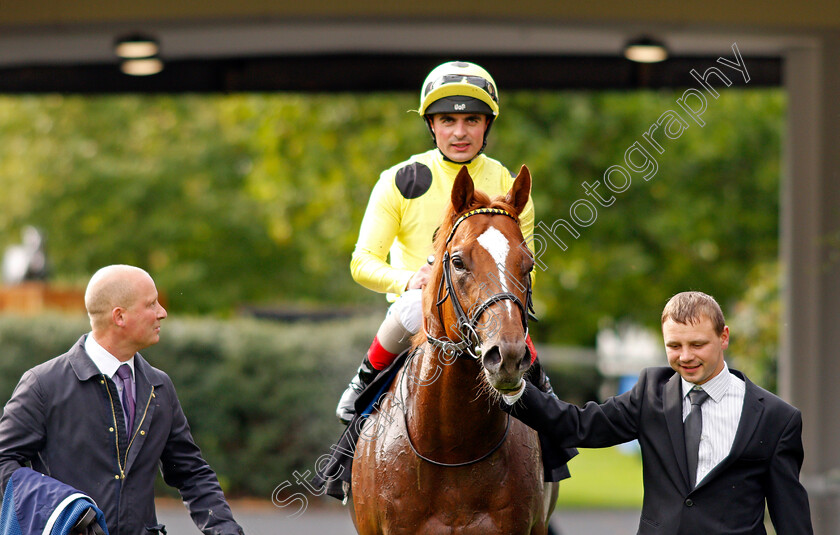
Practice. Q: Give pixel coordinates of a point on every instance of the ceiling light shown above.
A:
(645, 50)
(142, 66)
(136, 46)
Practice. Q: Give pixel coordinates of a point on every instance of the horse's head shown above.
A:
(479, 295)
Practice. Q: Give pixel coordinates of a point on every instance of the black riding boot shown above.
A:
(536, 375)
(346, 405)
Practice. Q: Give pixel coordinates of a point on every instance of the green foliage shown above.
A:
(701, 222)
(754, 326)
(257, 199)
(260, 397)
(26, 342)
(227, 200)
(575, 383)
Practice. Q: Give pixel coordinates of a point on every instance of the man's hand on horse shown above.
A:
(420, 278)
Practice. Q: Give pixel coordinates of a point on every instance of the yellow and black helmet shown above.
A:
(459, 87)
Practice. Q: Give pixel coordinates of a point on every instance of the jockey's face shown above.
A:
(459, 136)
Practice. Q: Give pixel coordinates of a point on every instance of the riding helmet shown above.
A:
(459, 87)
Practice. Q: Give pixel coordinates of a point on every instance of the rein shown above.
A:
(438, 463)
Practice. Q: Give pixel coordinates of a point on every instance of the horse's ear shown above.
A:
(520, 191)
(462, 191)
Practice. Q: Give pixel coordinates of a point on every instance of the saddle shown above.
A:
(335, 477)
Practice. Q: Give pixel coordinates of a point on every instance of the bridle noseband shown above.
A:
(466, 324)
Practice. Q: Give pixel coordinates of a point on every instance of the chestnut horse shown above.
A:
(438, 455)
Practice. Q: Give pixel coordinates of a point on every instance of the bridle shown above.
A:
(467, 323)
(469, 343)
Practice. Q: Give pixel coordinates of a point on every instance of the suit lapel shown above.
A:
(673, 418)
(750, 415)
(144, 409)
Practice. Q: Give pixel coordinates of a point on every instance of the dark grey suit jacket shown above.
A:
(66, 419)
(763, 465)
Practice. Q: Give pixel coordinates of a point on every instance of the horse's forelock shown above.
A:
(480, 200)
(499, 202)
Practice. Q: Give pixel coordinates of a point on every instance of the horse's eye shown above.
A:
(528, 266)
(457, 263)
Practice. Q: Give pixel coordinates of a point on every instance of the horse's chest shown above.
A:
(416, 497)
(402, 494)
(459, 517)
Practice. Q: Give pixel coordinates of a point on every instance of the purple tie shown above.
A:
(124, 372)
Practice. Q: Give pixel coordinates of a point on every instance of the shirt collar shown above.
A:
(715, 387)
(105, 361)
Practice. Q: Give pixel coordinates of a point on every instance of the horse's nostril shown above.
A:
(492, 358)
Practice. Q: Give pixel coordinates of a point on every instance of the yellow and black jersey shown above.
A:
(405, 208)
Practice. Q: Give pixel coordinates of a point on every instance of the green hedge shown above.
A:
(259, 395)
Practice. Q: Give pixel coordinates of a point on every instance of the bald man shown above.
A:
(100, 418)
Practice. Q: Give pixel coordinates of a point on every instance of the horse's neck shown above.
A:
(447, 405)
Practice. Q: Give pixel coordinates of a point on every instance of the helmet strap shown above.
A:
(490, 120)
(428, 120)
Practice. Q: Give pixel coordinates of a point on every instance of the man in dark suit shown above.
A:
(103, 420)
(750, 446)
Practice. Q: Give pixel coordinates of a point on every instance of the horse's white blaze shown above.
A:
(495, 243)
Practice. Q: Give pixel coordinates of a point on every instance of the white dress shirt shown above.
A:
(108, 364)
(721, 415)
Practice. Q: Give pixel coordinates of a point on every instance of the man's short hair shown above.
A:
(691, 307)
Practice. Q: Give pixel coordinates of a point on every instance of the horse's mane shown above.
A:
(479, 200)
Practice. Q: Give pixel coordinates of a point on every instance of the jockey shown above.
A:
(459, 102)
